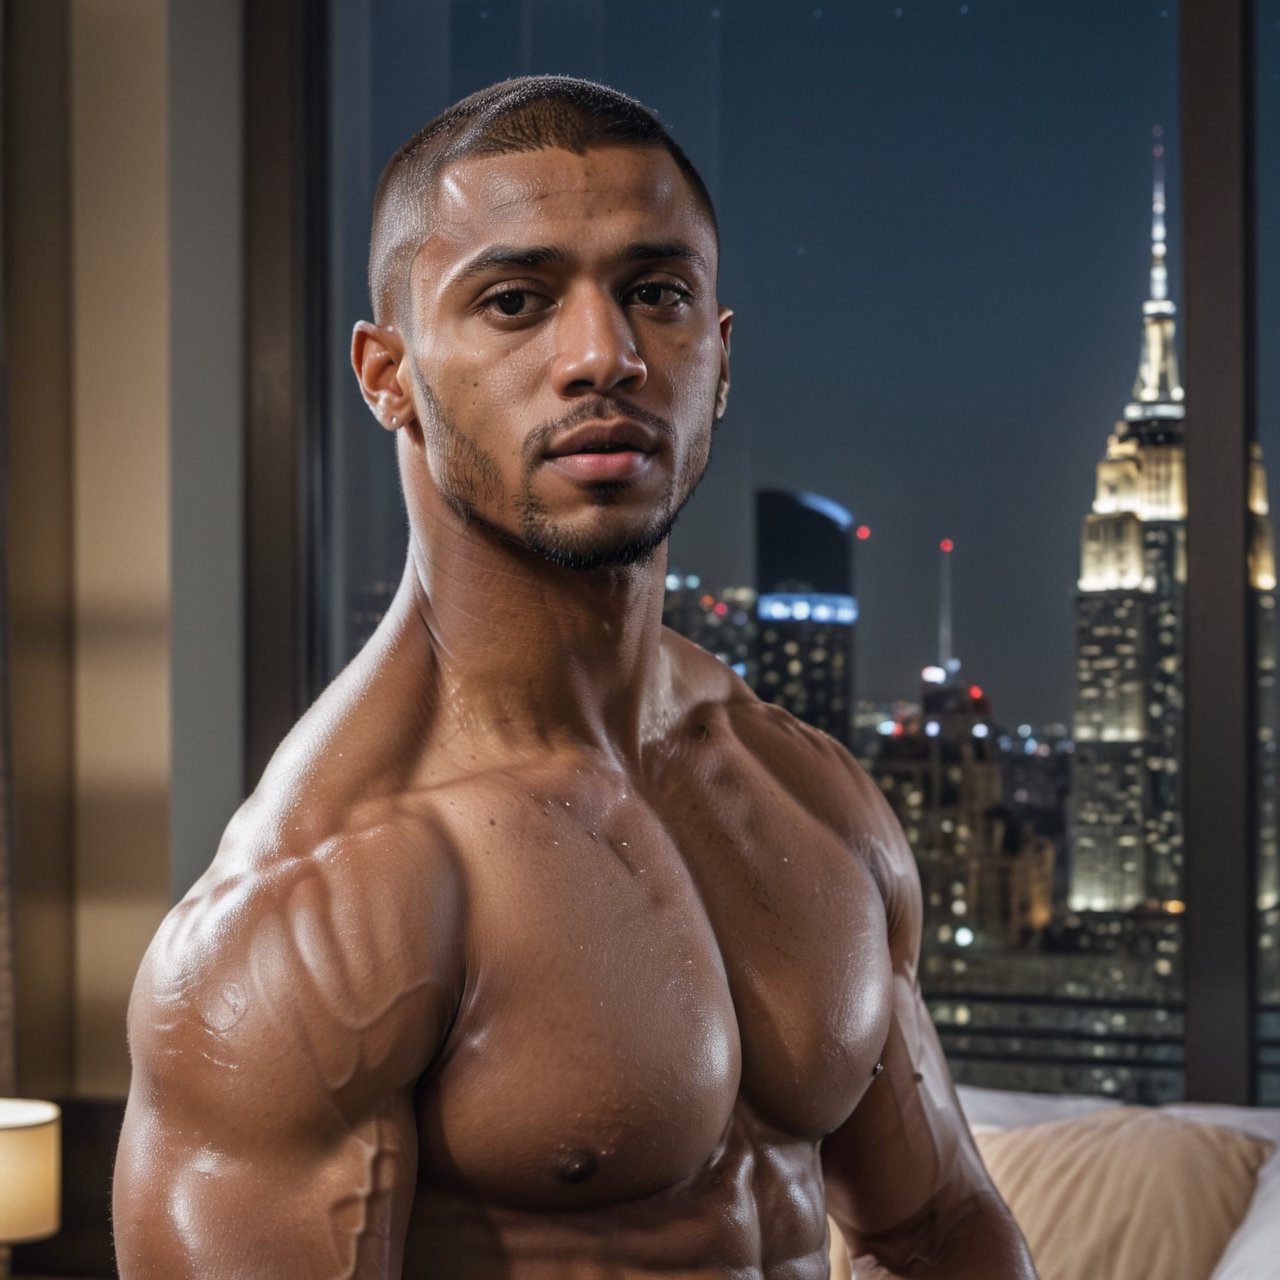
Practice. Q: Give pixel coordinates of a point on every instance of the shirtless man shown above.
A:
(544, 949)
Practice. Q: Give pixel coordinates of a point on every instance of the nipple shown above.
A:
(577, 1166)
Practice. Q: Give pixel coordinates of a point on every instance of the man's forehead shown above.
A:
(550, 185)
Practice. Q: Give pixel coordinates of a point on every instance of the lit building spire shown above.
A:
(1159, 270)
(1157, 391)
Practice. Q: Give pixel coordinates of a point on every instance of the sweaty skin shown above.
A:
(544, 949)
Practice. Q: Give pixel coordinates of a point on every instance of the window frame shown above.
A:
(1216, 100)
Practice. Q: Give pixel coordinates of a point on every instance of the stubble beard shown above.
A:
(470, 476)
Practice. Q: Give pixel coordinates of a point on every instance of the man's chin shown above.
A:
(592, 555)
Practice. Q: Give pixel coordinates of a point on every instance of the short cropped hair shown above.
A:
(525, 114)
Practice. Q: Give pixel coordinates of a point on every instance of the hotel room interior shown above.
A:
(178, 199)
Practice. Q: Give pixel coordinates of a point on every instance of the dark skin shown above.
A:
(545, 949)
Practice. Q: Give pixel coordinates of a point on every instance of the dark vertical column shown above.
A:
(8, 1000)
(206, 457)
(1217, 158)
(282, 170)
(38, 463)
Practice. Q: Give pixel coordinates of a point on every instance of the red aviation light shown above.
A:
(975, 691)
(947, 545)
(862, 532)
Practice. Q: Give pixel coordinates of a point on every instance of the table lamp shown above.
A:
(30, 1170)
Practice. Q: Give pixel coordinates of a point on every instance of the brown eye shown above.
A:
(516, 304)
(656, 293)
(511, 303)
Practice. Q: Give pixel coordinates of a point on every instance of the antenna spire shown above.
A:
(1159, 269)
(946, 658)
(1157, 393)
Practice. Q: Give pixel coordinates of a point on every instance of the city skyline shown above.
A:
(945, 324)
(889, 669)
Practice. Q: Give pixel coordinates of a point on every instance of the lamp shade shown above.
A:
(30, 1169)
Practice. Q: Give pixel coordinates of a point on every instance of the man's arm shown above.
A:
(904, 1181)
(278, 1025)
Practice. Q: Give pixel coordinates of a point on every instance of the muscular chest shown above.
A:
(640, 965)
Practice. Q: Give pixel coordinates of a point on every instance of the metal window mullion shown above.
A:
(1220, 799)
(284, 61)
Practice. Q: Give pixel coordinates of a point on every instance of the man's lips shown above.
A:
(622, 434)
(603, 451)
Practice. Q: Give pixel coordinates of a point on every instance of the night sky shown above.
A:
(936, 238)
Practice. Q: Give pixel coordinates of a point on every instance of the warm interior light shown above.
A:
(30, 1169)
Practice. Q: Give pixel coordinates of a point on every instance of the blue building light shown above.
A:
(827, 507)
(801, 606)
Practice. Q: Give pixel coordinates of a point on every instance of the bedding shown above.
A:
(1228, 1168)
(1124, 1192)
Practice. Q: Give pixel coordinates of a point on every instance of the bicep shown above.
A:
(905, 1158)
(249, 1201)
(276, 1036)
(905, 1153)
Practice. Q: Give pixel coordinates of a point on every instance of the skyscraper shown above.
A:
(985, 874)
(986, 879)
(806, 608)
(722, 622)
(1126, 805)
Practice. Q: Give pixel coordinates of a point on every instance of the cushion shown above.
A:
(1125, 1192)
(1006, 1108)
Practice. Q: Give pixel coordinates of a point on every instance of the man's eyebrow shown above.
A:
(505, 255)
(665, 251)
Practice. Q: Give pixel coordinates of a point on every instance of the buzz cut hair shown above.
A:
(531, 113)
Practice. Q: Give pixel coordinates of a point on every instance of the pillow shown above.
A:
(1254, 1248)
(1125, 1192)
(1007, 1108)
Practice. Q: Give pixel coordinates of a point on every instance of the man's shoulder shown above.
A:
(819, 773)
(808, 762)
(281, 853)
(698, 677)
(290, 942)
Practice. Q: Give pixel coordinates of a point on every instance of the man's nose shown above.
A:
(596, 348)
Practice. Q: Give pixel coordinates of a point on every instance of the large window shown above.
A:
(946, 514)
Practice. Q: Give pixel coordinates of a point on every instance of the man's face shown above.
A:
(566, 350)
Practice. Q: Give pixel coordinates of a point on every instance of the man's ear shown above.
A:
(722, 389)
(377, 352)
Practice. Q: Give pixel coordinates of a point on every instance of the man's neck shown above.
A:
(529, 652)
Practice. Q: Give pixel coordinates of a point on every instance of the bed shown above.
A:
(1104, 1191)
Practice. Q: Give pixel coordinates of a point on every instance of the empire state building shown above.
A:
(1126, 805)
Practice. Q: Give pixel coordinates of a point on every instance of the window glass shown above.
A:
(943, 520)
